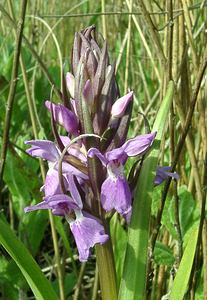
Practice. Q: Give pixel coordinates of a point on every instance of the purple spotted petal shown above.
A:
(87, 232)
(116, 194)
(139, 145)
(162, 173)
(44, 149)
(119, 107)
(95, 152)
(64, 117)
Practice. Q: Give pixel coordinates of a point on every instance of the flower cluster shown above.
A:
(92, 106)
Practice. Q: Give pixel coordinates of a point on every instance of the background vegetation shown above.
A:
(152, 42)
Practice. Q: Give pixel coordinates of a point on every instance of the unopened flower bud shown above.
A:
(119, 107)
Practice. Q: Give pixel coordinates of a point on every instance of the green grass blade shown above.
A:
(31, 271)
(180, 283)
(134, 273)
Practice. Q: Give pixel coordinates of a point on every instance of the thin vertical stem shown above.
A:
(79, 282)
(34, 53)
(103, 18)
(128, 47)
(57, 257)
(177, 224)
(12, 90)
(145, 43)
(107, 273)
(153, 32)
(95, 285)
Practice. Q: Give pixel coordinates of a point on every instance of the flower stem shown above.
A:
(107, 273)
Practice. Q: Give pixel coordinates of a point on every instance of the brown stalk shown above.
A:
(162, 271)
(153, 32)
(12, 90)
(34, 53)
(181, 142)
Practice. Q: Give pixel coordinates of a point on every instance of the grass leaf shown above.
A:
(182, 277)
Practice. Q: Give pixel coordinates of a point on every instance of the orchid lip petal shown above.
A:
(87, 232)
(116, 194)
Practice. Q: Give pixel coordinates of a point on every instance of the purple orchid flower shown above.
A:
(115, 191)
(64, 117)
(49, 151)
(163, 173)
(86, 229)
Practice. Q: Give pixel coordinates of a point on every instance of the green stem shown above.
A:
(106, 269)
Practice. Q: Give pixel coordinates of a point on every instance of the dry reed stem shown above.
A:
(12, 90)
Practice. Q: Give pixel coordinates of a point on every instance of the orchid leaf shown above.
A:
(180, 283)
(134, 273)
(32, 273)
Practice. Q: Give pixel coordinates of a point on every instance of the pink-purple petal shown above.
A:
(67, 168)
(74, 149)
(43, 149)
(64, 117)
(41, 205)
(162, 173)
(117, 154)
(138, 145)
(52, 185)
(87, 232)
(74, 191)
(116, 194)
(95, 152)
